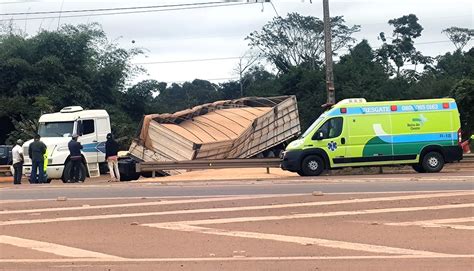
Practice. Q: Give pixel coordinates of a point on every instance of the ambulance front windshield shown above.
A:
(315, 123)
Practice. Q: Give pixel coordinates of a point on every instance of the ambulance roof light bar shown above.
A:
(352, 101)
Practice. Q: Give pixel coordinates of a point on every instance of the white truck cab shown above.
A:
(56, 130)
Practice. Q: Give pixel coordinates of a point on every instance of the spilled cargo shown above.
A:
(241, 128)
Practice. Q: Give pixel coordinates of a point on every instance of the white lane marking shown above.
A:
(53, 248)
(438, 223)
(450, 226)
(184, 197)
(246, 208)
(314, 215)
(398, 192)
(238, 259)
(137, 204)
(407, 178)
(298, 240)
(222, 196)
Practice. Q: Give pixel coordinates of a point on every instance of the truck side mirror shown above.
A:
(319, 135)
(79, 128)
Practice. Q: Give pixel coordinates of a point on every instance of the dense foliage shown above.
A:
(78, 65)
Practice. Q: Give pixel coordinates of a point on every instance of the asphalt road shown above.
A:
(373, 222)
(104, 190)
(157, 190)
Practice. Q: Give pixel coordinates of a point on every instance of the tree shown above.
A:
(358, 74)
(463, 92)
(24, 129)
(299, 40)
(459, 36)
(230, 90)
(260, 82)
(402, 49)
(457, 64)
(309, 88)
(178, 97)
(246, 61)
(138, 99)
(44, 104)
(75, 65)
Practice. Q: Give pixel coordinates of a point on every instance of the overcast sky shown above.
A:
(219, 32)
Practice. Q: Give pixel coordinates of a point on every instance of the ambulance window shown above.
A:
(331, 128)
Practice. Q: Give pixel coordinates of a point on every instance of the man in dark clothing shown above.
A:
(111, 151)
(36, 152)
(75, 148)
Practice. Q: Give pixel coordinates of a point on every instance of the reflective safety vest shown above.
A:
(45, 158)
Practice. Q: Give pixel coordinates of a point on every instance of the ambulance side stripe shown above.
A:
(386, 109)
(413, 138)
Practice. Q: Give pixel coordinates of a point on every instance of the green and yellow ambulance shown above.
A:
(355, 133)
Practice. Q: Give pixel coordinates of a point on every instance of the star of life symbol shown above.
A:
(332, 146)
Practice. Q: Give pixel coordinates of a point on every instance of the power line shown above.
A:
(188, 60)
(212, 79)
(238, 57)
(115, 9)
(60, 13)
(132, 12)
(432, 42)
(17, 2)
(274, 9)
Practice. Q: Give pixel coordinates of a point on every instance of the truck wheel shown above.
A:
(433, 162)
(312, 166)
(67, 175)
(418, 168)
(129, 177)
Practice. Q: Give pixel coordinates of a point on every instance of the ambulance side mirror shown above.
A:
(319, 135)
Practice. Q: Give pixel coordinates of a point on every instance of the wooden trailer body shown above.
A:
(240, 128)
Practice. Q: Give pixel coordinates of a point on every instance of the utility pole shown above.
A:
(331, 92)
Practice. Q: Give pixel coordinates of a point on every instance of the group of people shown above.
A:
(38, 153)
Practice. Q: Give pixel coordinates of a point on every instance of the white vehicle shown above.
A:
(56, 130)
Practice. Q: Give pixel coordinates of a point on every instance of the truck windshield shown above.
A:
(55, 129)
(311, 128)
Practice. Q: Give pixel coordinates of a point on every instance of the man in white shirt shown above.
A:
(17, 155)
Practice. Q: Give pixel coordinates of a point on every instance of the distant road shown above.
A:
(233, 188)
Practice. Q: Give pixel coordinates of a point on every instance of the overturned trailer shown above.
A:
(241, 128)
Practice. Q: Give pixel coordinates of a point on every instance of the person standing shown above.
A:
(36, 152)
(111, 151)
(75, 148)
(45, 165)
(17, 155)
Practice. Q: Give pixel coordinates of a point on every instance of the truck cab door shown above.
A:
(332, 137)
(103, 128)
(88, 137)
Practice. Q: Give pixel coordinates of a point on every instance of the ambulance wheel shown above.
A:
(418, 168)
(433, 162)
(312, 166)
